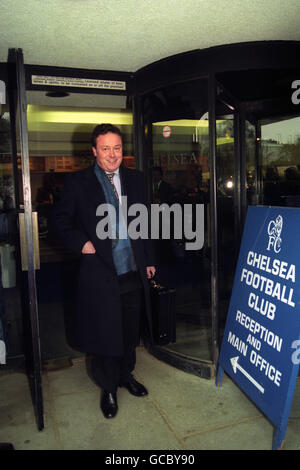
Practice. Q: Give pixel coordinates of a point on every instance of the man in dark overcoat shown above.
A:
(113, 291)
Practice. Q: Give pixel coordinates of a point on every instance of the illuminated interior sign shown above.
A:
(78, 82)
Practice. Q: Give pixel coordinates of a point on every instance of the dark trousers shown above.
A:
(110, 372)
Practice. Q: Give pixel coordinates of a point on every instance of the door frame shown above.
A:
(18, 110)
(18, 83)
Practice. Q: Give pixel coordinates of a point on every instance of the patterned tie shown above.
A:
(111, 177)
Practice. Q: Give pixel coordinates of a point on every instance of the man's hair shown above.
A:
(102, 129)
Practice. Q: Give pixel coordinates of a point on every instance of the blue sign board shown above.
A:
(261, 344)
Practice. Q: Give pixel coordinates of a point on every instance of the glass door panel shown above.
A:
(177, 126)
(24, 243)
(11, 327)
(251, 163)
(227, 181)
(59, 130)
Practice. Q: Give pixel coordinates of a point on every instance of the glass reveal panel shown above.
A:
(177, 127)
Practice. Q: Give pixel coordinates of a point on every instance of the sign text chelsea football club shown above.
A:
(262, 325)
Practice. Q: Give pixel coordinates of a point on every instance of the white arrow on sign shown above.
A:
(236, 365)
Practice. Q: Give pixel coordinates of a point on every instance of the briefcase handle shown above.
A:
(155, 284)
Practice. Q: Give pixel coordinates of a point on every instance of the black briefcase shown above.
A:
(163, 313)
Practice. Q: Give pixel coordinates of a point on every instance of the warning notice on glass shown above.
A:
(78, 82)
(261, 342)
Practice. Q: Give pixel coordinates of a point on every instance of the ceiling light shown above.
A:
(57, 94)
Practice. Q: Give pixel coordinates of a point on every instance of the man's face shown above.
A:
(108, 151)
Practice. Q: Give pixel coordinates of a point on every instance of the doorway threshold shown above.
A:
(57, 363)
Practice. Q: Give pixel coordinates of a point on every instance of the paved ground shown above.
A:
(182, 412)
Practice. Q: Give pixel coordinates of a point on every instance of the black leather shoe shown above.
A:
(109, 404)
(135, 388)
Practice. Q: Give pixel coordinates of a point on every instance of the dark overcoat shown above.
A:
(98, 319)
